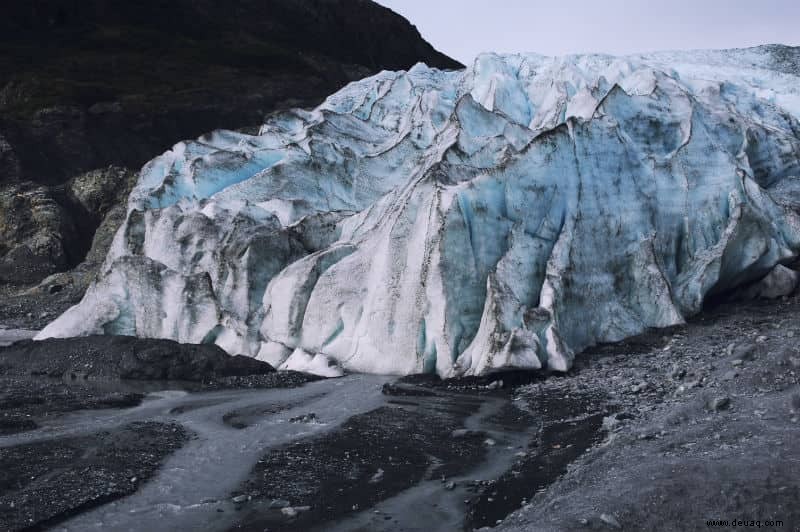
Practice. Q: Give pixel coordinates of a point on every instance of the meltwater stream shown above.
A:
(233, 429)
(429, 505)
(197, 480)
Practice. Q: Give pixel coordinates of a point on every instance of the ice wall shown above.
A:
(504, 216)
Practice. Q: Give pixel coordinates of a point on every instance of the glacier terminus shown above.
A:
(508, 215)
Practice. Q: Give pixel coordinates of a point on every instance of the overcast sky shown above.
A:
(464, 28)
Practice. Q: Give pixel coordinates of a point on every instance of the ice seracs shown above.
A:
(504, 216)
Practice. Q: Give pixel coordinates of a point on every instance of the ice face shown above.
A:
(504, 216)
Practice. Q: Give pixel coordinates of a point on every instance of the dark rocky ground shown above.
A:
(665, 431)
(43, 483)
(370, 458)
(33, 307)
(39, 380)
(661, 432)
(25, 402)
(126, 358)
(706, 427)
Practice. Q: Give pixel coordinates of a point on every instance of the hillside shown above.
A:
(85, 85)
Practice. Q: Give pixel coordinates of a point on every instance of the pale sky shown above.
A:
(464, 28)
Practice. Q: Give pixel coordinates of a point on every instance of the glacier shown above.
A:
(508, 215)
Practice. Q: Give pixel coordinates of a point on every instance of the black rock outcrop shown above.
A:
(124, 357)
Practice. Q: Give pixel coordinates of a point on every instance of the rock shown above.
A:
(377, 477)
(278, 503)
(54, 288)
(49, 229)
(688, 386)
(450, 486)
(737, 362)
(465, 433)
(611, 521)
(745, 351)
(125, 357)
(96, 192)
(34, 226)
(781, 281)
(10, 170)
(730, 375)
(490, 442)
(311, 417)
(610, 422)
(638, 388)
(293, 511)
(719, 403)
(240, 365)
(495, 385)
(678, 373)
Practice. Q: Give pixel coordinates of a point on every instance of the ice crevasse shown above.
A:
(507, 215)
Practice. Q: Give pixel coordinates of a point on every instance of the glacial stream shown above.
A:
(233, 429)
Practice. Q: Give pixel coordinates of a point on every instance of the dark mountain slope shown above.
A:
(92, 83)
